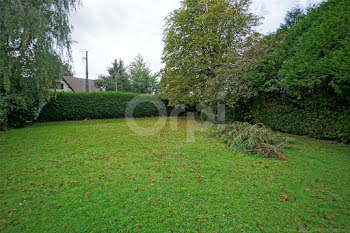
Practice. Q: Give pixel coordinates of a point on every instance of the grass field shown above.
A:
(99, 176)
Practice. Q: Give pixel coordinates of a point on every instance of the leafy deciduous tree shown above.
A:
(198, 37)
(34, 36)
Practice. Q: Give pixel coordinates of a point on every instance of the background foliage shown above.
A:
(142, 79)
(296, 79)
(117, 80)
(137, 77)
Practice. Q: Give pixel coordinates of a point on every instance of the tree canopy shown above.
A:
(142, 79)
(34, 44)
(198, 37)
(137, 77)
(117, 80)
(313, 55)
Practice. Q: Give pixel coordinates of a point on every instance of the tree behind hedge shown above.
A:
(34, 41)
(142, 79)
(117, 80)
(197, 38)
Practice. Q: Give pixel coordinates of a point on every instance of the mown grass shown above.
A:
(99, 176)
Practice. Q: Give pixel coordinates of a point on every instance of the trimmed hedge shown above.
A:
(241, 112)
(319, 116)
(101, 105)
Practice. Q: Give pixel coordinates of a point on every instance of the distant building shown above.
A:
(72, 84)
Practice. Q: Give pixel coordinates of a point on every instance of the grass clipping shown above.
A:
(253, 139)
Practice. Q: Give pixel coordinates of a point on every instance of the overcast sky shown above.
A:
(111, 29)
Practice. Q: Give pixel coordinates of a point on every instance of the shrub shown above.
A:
(319, 115)
(3, 113)
(254, 139)
(101, 105)
(240, 112)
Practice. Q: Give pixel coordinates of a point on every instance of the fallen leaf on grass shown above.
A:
(11, 212)
(156, 203)
(285, 197)
(260, 227)
(3, 225)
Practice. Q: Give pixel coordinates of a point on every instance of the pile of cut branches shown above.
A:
(256, 139)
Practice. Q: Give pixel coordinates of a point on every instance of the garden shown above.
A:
(239, 131)
(100, 176)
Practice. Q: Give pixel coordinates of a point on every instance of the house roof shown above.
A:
(78, 84)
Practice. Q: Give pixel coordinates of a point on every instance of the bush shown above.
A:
(240, 112)
(3, 113)
(101, 105)
(319, 115)
(255, 139)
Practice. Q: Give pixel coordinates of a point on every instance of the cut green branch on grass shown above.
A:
(254, 139)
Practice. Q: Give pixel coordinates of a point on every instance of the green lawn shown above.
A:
(99, 176)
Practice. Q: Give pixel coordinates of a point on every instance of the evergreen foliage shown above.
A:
(100, 105)
(254, 139)
(142, 79)
(297, 77)
(117, 80)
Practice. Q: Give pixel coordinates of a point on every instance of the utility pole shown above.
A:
(87, 71)
(116, 81)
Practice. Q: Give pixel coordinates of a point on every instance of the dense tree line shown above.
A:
(137, 78)
(304, 65)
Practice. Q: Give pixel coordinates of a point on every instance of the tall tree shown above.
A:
(198, 37)
(293, 16)
(142, 79)
(310, 57)
(117, 79)
(34, 39)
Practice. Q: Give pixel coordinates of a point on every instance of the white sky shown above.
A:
(111, 29)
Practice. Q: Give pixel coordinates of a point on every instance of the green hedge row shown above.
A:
(102, 105)
(319, 116)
